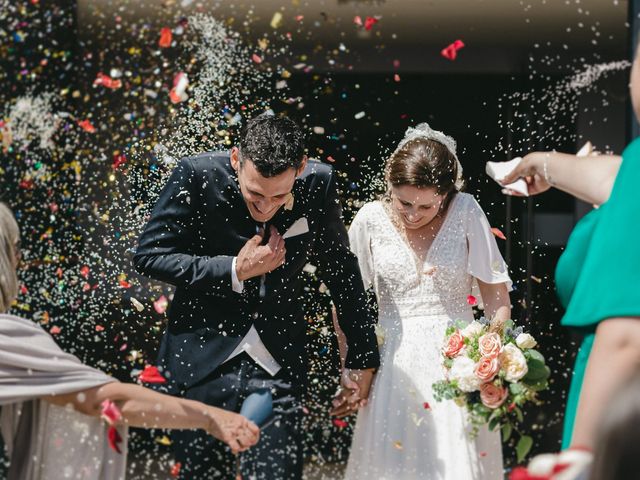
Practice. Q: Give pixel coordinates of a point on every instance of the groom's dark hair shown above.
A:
(273, 144)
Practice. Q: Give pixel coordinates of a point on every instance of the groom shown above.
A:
(233, 231)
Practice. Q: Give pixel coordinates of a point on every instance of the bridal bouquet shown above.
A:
(492, 376)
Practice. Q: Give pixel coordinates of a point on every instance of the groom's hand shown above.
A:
(255, 260)
(353, 393)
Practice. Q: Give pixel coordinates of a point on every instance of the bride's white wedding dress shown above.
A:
(403, 433)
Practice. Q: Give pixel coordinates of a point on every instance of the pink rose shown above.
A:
(490, 344)
(487, 368)
(493, 396)
(454, 344)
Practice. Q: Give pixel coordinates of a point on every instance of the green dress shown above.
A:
(598, 275)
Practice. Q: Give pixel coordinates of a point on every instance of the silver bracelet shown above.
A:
(545, 172)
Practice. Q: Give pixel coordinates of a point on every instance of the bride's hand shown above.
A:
(353, 393)
(233, 429)
(531, 169)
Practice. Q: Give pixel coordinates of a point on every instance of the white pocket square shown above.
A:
(299, 227)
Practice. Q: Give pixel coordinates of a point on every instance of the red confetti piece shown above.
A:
(84, 271)
(369, 22)
(151, 374)
(256, 58)
(483, 454)
(396, 77)
(110, 412)
(331, 159)
(450, 52)
(124, 284)
(179, 91)
(299, 18)
(357, 20)
(426, 406)
(498, 233)
(86, 126)
(118, 160)
(161, 304)
(511, 407)
(26, 184)
(166, 36)
(114, 439)
(123, 347)
(86, 287)
(55, 330)
(99, 328)
(175, 469)
(23, 289)
(471, 300)
(107, 81)
(340, 423)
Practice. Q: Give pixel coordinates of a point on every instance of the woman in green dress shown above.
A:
(598, 275)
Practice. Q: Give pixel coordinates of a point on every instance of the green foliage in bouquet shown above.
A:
(493, 376)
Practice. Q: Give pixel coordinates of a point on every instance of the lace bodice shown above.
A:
(463, 249)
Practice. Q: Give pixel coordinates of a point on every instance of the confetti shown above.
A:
(110, 412)
(338, 422)
(136, 303)
(164, 440)
(179, 91)
(161, 304)
(166, 37)
(107, 81)
(175, 469)
(55, 330)
(398, 445)
(369, 23)
(151, 374)
(87, 126)
(114, 439)
(450, 52)
(256, 58)
(471, 300)
(498, 233)
(118, 160)
(276, 20)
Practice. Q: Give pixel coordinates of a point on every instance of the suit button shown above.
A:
(255, 314)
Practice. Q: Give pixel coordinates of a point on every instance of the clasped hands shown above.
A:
(353, 392)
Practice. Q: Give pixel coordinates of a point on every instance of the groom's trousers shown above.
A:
(278, 454)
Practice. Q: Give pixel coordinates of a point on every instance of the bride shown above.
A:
(422, 248)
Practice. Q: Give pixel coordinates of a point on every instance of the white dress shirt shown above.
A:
(251, 343)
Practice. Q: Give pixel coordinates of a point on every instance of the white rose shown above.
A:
(524, 340)
(473, 329)
(513, 363)
(463, 371)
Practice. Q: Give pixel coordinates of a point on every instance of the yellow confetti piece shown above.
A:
(276, 20)
(398, 445)
(164, 440)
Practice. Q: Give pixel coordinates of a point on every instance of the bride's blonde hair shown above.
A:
(9, 238)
